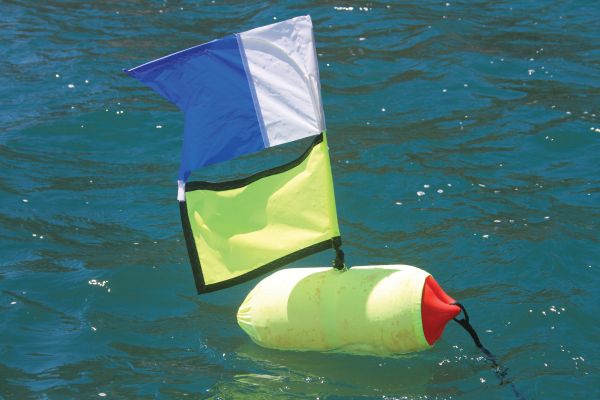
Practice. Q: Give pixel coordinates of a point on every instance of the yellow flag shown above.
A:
(240, 229)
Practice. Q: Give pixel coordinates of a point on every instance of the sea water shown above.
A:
(464, 140)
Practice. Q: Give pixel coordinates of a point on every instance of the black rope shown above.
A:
(499, 370)
(338, 263)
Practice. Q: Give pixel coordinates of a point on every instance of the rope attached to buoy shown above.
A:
(499, 370)
(338, 262)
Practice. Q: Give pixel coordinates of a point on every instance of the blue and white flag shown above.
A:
(242, 93)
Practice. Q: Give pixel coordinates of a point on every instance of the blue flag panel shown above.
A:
(210, 85)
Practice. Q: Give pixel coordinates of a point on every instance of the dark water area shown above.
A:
(465, 140)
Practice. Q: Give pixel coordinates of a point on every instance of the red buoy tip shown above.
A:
(437, 309)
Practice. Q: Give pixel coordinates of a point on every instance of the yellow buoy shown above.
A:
(364, 310)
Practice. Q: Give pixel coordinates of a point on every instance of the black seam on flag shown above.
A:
(190, 243)
(273, 265)
(238, 183)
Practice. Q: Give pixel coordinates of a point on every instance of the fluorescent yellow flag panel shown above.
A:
(240, 229)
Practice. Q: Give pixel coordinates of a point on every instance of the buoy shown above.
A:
(379, 310)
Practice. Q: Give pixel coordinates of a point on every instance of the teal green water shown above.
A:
(464, 140)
